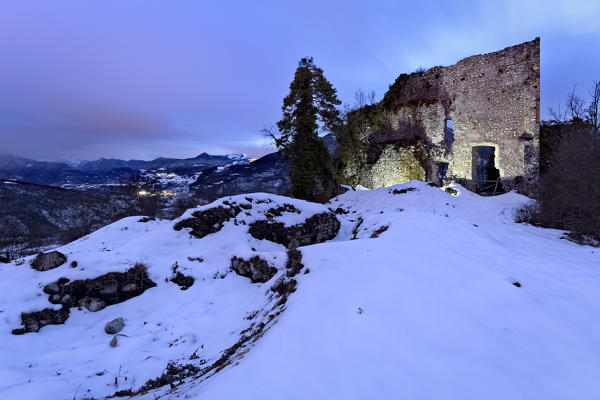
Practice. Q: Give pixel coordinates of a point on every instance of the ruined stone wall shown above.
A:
(396, 164)
(493, 99)
(496, 100)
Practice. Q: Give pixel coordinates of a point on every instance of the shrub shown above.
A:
(529, 213)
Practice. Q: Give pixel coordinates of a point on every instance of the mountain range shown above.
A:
(48, 203)
(103, 170)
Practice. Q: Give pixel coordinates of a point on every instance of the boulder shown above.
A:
(129, 287)
(114, 326)
(48, 261)
(51, 288)
(93, 304)
(110, 288)
(255, 268)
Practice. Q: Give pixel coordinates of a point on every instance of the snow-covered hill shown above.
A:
(421, 294)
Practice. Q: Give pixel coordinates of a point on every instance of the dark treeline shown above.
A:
(569, 190)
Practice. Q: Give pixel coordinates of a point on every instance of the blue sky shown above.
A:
(141, 79)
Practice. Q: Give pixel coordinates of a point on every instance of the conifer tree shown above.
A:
(310, 106)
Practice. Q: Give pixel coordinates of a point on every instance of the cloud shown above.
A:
(144, 79)
(68, 129)
(97, 121)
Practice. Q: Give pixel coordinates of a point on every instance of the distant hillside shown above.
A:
(52, 203)
(35, 215)
(268, 174)
(203, 160)
(103, 170)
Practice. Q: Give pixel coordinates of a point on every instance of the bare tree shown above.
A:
(372, 97)
(267, 133)
(575, 108)
(575, 105)
(558, 116)
(362, 98)
(593, 109)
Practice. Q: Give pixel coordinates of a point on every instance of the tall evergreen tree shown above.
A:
(310, 105)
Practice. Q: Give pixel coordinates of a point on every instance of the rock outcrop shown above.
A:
(208, 221)
(48, 261)
(284, 286)
(316, 229)
(111, 288)
(184, 281)
(257, 269)
(294, 262)
(93, 294)
(34, 321)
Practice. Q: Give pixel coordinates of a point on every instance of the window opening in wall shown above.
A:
(442, 171)
(449, 131)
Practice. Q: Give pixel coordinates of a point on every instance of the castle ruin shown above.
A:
(476, 122)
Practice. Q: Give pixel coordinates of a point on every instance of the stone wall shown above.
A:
(492, 99)
(394, 165)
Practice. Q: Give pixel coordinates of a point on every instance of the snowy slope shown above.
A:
(163, 324)
(428, 309)
(441, 317)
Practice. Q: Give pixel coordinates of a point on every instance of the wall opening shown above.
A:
(485, 173)
(449, 131)
(442, 171)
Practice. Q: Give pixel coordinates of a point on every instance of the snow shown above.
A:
(72, 162)
(427, 309)
(236, 157)
(163, 324)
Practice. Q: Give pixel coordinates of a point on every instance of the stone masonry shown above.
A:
(489, 100)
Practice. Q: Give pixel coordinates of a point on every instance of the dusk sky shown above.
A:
(142, 79)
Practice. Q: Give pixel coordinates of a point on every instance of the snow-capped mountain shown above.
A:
(103, 170)
(401, 292)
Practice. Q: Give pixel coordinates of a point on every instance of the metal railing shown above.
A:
(493, 184)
